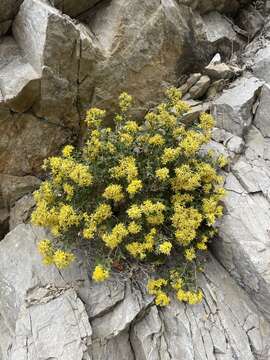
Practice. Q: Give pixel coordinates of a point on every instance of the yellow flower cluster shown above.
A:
(169, 155)
(190, 297)
(94, 118)
(141, 191)
(139, 249)
(134, 187)
(100, 274)
(126, 169)
(61, 259)
(165, 247)
(154, 287)
(125, 101)
(162, 173)
(117, 235)
(186, 221)
(102, 213)
(114, 192)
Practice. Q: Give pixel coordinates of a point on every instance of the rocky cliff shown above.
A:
(58, 58)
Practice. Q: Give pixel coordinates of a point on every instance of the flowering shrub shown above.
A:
(142, 191)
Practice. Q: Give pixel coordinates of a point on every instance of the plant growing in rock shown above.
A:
(141, 191)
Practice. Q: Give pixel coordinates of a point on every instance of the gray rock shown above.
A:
(4, 222)
(21, 211)
(8, 9)
(262, 120)
(4, 27)
(219, 71)
(189, 83)
(73, 7)
(251, 21)
(233, 109)
(122, 322)
(200, 88)
(215, 88)
(25, 141)
(261, 63)
(12, 188)
(243, 246)
(220, 35)
(19, 83)
(56, 326)
(54, 52)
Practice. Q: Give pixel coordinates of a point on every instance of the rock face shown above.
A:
(57, 58)
(117, 320)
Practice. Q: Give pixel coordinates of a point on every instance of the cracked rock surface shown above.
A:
(59, 315)
(58, 58)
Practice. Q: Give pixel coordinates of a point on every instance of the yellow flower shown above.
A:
(113, 192)
(126, 168)
(125, 101)
(45, 248)
(126, 138)
(162, 174)
(134, 187)
(134, 228)
(190, 297)
(118, 233)
(192, 142)
(136, 249)
(190, 254)
(62, 259)
(222, 161)
(45, 193)
(173, 94)
(153, 286)
(134, 212)
(69, 190)
(201, 245)
(67, 217)
(67, 151)
(89, 232)
(94, 117)
(162, 299)
(169, 155)
(186, 222)
(211, 210)
(131, 126)
(207, 121)
(156, 140)
(102, 212)
(185, 179)
(165, 247)
(100, 274)
(81, 175)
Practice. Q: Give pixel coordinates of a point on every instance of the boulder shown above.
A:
(4, 223)
(26, 140)
(200, 88)
(233, 110)
(219, 71)
(8, 9)
(74, 8)
(21, 211)
(19, 81)
(251, 20)
(12, 188)
(57, 316)
(261, 63)
(220, 35)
